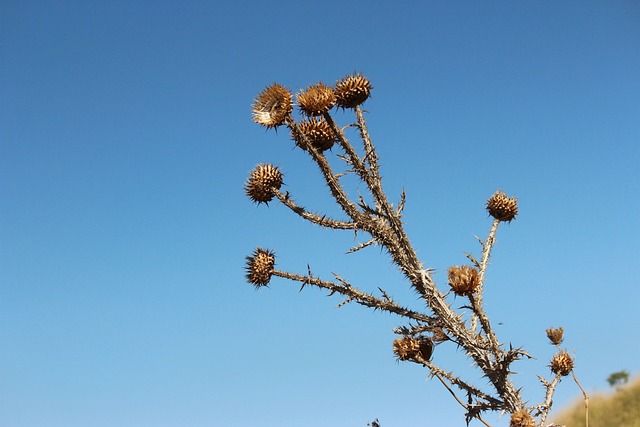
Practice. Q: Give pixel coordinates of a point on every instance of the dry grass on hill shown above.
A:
(620, 408)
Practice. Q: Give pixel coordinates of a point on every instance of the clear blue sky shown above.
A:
(125, 141)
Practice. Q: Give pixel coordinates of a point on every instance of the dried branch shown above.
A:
(489, 401)
(314, 218)
(370, 153)
(550, 387)
(401, 203)
(330, 177)
(356, 295)
(361, 246)
(478, 310)
(473, 411)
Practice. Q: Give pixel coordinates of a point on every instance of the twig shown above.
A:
(586, 399)
(356, 294)
(465, 406)
(314, 218)
(476, 299)
(545, 407)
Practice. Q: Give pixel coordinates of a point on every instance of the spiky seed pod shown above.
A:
(317, 131)
(316, 99)
(562, 364)
(352, 90)
(463, 280)
(521, 418)
(260, 267)
(502, 207)
(555, 335)
(272, 106)
(263, 182)
(408, 348)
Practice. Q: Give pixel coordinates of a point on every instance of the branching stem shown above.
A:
(356, 295)
(314, 218)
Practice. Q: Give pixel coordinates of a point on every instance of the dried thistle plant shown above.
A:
(469, 326)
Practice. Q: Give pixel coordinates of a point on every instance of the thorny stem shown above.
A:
(545, 407)
(332, 181)
(486, 248)
(356, 295)
(370, 152)
(455, 326)
(478, 313)
(476, 299)
(403, 253)
(316, 219)
(465, 406)
(405, 257)
(435, 370)
(356, 162)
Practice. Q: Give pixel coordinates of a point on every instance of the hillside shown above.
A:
(620, 408)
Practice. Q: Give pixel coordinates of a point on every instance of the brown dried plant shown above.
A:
(468, 327)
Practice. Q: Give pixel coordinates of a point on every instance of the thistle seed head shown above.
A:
(263, 182)
(259, 267)
(352, 90)
(463, 280)
(317, 131)
(521, 418)
(408, 348)
(272, 106)
(316, 100)
(555, 335)
(502, 207)
(562, 364)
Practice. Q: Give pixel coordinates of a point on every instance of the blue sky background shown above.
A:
(125, 141)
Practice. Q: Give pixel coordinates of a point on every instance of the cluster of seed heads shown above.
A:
(271, 109)
(562, 362)
(273, 106)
